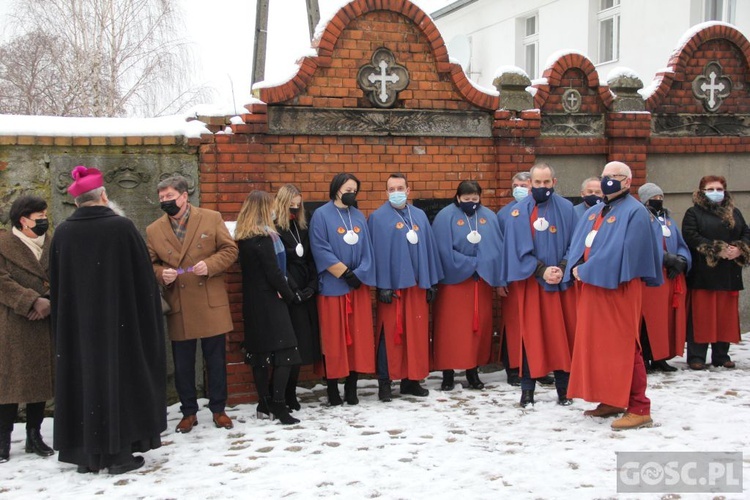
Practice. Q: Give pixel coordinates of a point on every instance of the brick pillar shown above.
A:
(628, 134)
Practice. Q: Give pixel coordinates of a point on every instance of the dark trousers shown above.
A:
(509, 371)
(529, 384)
(382, 359)
(214, 357)
(34, 416)
(698, 352)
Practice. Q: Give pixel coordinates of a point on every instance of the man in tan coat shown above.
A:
(191, 249)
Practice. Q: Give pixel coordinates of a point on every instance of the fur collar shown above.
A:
(723, 210)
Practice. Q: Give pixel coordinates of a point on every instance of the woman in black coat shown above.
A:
(291, 224)
(718, 238)
(270, 342)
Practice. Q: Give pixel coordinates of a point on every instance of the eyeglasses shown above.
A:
(614, 176)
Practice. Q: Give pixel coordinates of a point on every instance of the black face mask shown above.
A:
(170, 207)
(42, 225)
(592, 199)
(541, 194)
(610, 185)
(293, 212)
(657, 205)
(469, 207)
(349, 199)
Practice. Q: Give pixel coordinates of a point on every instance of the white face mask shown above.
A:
(715, 196)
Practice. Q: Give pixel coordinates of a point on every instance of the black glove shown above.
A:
(351, 279)
(431, 294)
(303, 295)
(385, 295)
(675, 264)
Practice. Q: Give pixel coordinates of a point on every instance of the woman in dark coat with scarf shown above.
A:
(25, 336)
(291, 224)
(719, 239)
(270, 343)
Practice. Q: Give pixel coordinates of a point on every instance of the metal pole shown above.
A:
(313, 16)
(259, 45)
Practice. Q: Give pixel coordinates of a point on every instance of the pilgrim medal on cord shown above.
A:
(299, 249)
(590, 238)
(474, 236)
(351, 238)
(541, 224)
(412, 237)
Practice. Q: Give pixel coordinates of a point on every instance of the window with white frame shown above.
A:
(608, 18)
(719, 10)
(531, 45)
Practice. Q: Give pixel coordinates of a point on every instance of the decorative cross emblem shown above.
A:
(383, 79)
(571, 101)
(712, 87)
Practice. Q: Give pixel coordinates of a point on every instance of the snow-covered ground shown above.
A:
(480, 444)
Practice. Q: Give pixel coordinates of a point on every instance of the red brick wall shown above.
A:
(232, 165)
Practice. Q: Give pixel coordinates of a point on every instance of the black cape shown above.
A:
(110, 394)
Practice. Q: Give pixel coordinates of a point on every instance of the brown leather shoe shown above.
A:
(632, 421)
(186, 424)
(697, 365)
(604, 410)
(222, 420)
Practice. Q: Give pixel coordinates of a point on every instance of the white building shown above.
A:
(638, 34)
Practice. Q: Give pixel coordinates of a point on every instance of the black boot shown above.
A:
(334, 398)
(562, 397)
(412, 387)
(527, 398)
(546, 380)
(350, 389)
(281, 413)
(384, 390)
(262, 412)
(472, 377)
(513, 378)
(448, 384)
(35, 444)
(291, 390)
(4, 447)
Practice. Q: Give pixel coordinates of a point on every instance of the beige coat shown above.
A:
(26, 352)
(200, 304)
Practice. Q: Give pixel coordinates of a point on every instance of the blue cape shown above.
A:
(625, 247)
(580, 209)
(459, 257)
(523, 251)
(503, 214)
(328, 247)
(398, 263)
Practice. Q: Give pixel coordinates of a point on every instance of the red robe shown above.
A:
(665, 315)
(716, 316)
(607, 331)
(346, 333)
(405, 322)
(547, 321)
(462, 325)
(510, 324)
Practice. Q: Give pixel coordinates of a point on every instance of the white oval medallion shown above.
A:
(412, 237)
(299, 250)
(590, 238)
(474, 237)
(351, 238)
(666, 231)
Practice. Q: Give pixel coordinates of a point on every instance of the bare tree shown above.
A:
(97, 58)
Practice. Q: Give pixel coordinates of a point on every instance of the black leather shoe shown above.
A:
(662, 366)
(281, 413)
(82, 469)
(133, 464)
(514, 379)
(35, 444)
(384, 390)
(292, 402)
(350, 389)
(546, 380)
(413, 388)
(448, 383)
(261, 411)
(472, 377)
(527, 398)
(562, 397)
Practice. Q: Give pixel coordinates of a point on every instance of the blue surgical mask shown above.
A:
(715, 196)
(541, 194)
(397, 198)
(592, 199)
(519, 193)
(469, 207)
(610, 185)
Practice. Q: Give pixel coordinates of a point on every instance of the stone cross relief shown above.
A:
(712, 87)
(383, 79)
(571, 101)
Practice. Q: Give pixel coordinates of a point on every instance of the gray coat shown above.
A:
(26, 353)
